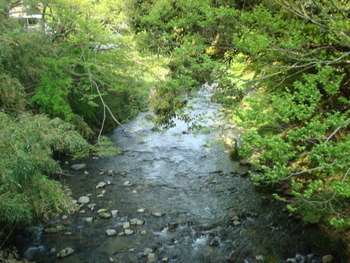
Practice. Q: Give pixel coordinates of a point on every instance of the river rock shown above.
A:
(55, 229)
(128, 232)
(121, 233)
(140, 222)
(64, 217)
(111, 232)
(111, 259)
(65, 252)
(84, 200)
(114, 212)
(141, 210)
(78, 167)
(158, 214)
(89, 219)
(99, 196)
(236, 223)
(100, 185)
(147, 251)
(327, 259)
(105, 215)
(143, 232)
(165, 259)
(110, 172)
(214, 243)
(133, 221)
(127, 183)
(126, 225)
(91, 206)
(259, 258)
(151, 257)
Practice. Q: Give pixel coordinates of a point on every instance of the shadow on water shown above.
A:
(196, 204)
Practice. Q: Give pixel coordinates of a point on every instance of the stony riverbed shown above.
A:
(172, 196)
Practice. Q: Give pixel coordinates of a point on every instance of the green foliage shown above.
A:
(283, 71)
(26, 146)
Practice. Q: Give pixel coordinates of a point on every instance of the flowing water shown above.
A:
(198, 204)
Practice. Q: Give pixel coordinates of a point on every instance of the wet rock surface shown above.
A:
(177, 196)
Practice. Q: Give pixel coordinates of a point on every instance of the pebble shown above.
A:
(134, 191)
(66, 162)
(89, 219)
(101, 210)
(121, 234)
(110, 172)
(105, 215)
(111, 232)
(108, 182)
(147, 251)
(140, 222)
(133, 221)
(131, 249)
(141, 210)
(91, 206)
(64, 217)
(151, 257)
(236, 223)
(165, 259)
(127, 183)
(128, 232)
(214, 243)
(327, 259)
(84, 200)
(111, 259)
(55, 229)
(86, 172)
(99, 196)
(100, 185)
(114, 212)
(235, 218)
(78, 167)
(126, 225)
(143, 232)
(259, 258)
(65, 252)
(158, 214)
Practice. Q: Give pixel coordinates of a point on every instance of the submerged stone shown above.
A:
(100, 185)
(84, 200)
(65, 252)
(78, 167)
(111, 232)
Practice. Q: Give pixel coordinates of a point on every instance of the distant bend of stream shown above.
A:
(172, 196)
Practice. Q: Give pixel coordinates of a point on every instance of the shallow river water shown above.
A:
(196, 204)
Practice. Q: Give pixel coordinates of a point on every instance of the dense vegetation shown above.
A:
(64, 79)
(282, 67)
(283, 70)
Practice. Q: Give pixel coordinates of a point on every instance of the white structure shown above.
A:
(31, 22)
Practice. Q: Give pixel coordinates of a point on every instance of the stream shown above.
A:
(172, 196)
